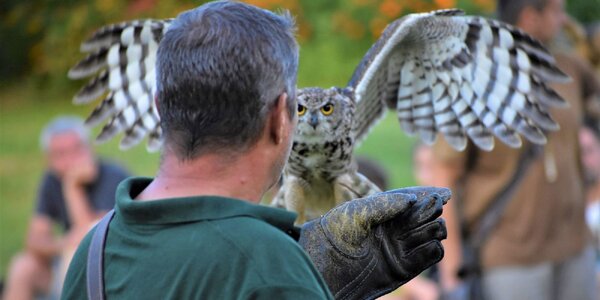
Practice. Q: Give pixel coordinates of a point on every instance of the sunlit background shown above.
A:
(39, 41)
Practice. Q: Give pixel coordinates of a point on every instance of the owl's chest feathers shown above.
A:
(323, 160)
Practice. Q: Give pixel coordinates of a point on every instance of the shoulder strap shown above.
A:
(95, 260)
(498, 205)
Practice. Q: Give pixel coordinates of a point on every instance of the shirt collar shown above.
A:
(191, 209)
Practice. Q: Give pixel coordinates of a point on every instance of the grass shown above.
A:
(25, 108)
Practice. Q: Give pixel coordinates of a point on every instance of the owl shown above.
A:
(443, 73)
(320, 172)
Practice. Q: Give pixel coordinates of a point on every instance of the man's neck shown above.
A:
(244, 178)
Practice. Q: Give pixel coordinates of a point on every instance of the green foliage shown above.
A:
(585, 11)
(41, 38)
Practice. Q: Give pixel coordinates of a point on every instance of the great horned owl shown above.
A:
(320, 172)
(442, 72)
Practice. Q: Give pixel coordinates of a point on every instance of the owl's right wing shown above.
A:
(122, 58)
(460, 76)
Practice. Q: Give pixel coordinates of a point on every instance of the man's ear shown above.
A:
(280, 120)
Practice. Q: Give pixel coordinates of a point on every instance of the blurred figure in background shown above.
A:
(428, 286)
(572, 38)
(76, 190)
(373, 170)
(589, 138)
(583, 41)
(593, 33)
(540, 247)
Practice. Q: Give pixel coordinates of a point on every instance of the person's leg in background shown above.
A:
(28, 276)
(519, 282)
(575, 277)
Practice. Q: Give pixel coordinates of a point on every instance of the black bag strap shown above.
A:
(95, 260)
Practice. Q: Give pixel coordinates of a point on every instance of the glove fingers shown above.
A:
(435, 230)
(382, 207)
(424, 211)
(423, 192)
(423, 257)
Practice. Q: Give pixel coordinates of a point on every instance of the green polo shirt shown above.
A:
(198, 248)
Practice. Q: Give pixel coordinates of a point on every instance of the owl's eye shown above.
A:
(301, 110)
(327, 109)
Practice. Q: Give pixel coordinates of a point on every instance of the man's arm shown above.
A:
(447, 167)
(81, 213)
(42, 241)
(447, 176)
(40, 238)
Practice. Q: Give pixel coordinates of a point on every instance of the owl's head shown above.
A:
(324, 113)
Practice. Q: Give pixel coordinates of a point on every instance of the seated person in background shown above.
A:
(76, 190)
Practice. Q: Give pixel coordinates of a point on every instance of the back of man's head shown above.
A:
(509, 10)
(220, 68)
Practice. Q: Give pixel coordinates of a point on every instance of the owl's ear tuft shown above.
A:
(347, 91)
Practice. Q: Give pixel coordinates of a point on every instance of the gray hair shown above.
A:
(509, 10)
(63, 124)
(220, 68)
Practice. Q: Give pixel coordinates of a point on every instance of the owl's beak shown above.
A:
(313, 121)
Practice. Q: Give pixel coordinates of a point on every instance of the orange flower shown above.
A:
(417, 6)
(140, 6)
(390, 8)
(377, 26)
(486, 5)
(259, 3)
(351, 28)
(304, 30)
(445, 3)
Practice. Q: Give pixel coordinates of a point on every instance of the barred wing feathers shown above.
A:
(122, 59)
(459, 76)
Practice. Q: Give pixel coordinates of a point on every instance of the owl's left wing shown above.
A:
(122, 58)
(460, 76)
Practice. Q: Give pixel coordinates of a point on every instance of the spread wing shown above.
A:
(460, 76)
(122, 59)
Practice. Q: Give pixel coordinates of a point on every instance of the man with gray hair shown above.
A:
(76, 191)
(226, 75)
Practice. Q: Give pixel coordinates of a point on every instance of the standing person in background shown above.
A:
(540, 247)
(76, 190)
(427, 286)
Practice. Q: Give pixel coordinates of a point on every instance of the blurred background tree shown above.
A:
(39, 42)
(41, 38)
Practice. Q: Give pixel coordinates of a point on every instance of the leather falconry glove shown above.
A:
(368, 247)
